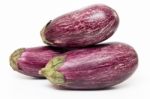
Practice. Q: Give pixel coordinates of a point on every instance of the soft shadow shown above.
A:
(116, 87)
(29, 77)
(66, 89)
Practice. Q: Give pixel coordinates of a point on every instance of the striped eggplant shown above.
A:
(82, 27)
(29, 61)
(97, 67)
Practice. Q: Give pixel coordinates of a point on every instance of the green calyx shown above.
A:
(50, 71)
(14, 58)
(43, 36)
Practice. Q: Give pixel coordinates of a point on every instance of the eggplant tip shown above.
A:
(14, 58)
(43, 37)
(51, 73)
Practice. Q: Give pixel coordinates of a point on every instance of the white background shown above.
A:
(21, 22)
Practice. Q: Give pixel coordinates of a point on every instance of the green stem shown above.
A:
(14, 58)
(43, 35)
(50, 71)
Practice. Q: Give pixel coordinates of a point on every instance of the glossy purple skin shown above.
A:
(33, 59)
(83, 27)
(98, 67)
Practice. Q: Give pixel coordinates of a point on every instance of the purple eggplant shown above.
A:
(97, 67)
(82, 27)
(29, 61)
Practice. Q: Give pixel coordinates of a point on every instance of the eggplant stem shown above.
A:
(50, 71)
(14, 58)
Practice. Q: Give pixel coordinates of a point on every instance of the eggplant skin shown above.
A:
(29, 61)
(97, 67)
(82, 27)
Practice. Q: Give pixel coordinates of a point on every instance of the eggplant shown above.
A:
(80, 28)
(95, 67)
(29, 61)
